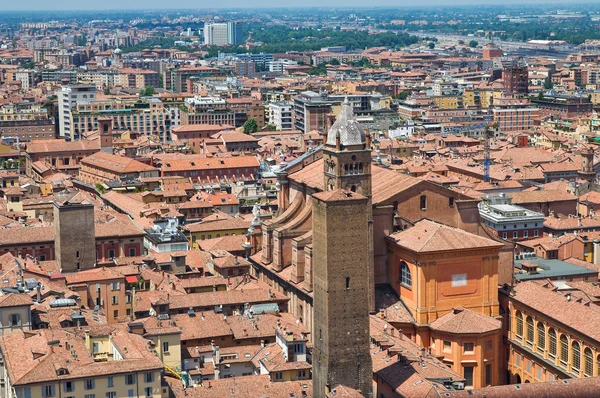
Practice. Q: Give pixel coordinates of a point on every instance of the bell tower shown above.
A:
(106, 134)
(342, 262)
(347, 165)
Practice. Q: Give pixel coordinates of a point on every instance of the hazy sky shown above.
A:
(163, 4)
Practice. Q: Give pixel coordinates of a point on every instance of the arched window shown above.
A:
(589, 362)
(576, 364)
(541, 336)
(519, 322)
(552, 343)
(405, 277)
(529, 337)
(564, 350)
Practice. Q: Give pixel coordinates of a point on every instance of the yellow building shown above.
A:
(15, 313)
(215, 229)
(99, 361)
(447, 102)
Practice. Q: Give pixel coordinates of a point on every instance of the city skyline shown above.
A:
(108, 5)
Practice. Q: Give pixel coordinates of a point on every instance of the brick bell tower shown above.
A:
(342, 257)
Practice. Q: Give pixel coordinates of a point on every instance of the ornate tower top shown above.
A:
(348, 129)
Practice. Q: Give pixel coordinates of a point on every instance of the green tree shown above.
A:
(270, 127)
(250, 126)
(100, 188)
(107, 91)
(431, 45)
(146, 92)
(548, 84)
(161, 81)
(473, 43)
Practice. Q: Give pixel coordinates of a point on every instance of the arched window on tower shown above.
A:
(423, 201)
(405, 276)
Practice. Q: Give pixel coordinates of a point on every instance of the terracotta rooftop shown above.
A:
(464, 321)
(429, 236)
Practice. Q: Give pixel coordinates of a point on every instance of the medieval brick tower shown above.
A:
(74, 235)
(106, 134)
(342, 268)
(347, 165)
(587, 165)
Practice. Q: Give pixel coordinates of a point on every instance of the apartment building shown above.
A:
(508, 221)
(280, 115)
(310, 112)
(96, 362)
(514, 114)
(149, 117)
(104, 167)
(68, 97)
(207, 110)
(26, 121)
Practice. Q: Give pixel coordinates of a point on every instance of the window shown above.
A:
(95, 347)
(278, 375)
(130, 379)
(518, 359)
(519, 321)
(468, 347)
(89, 384)
(589, 362)
(468, 375)
(15, 320)
(111, 255)
(149, 378)
(69, 386)
(529, 338)
(299, 348)
(130, 393)
(27, 392)
(488, 374)
(49, 390)
(526, 234)
(148, 391)
(576, 354)
(535, 233)
(302, 374)
(515, 234)
(115, 300)
(115, 286)
(111, 394)
(564, 350)
(111, 382)
(541, 337)
(447, 346)
(405, 277)
(165, 346)
(550, 377)
(347, 282)
(132, 251)
(539, 373)
(115, 314)
(552, 343)
(450, 201)
(423, 201)
(504, 235)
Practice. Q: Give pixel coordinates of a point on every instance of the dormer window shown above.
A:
(62, 372)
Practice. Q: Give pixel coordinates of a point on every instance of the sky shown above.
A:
(39, 5)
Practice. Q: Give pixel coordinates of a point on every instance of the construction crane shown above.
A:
(489, 134)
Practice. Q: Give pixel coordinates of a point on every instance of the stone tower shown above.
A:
(342, 274)
(74, 235)
(347, 165)
(106, 137)
(587, 165)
